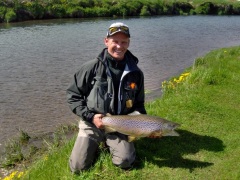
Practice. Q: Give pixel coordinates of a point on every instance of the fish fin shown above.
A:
(171, 133)
(156, 134)
(131, 138)
(108, 114)
(134, 113)
(109, 129)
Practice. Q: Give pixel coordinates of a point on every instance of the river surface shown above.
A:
(38, 59)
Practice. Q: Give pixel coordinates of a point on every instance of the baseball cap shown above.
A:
(118, 27)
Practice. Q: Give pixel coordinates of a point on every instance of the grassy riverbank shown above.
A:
(22, 10)
(205, 100)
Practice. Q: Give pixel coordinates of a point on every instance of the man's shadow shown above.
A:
(169, 151)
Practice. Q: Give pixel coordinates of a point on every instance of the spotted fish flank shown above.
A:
(138, 125)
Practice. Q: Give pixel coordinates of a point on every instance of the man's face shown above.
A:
(117, 45)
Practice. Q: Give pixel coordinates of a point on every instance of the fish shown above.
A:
(137, 125)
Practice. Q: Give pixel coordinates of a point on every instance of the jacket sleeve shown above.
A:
(140, 98)
(78, 91)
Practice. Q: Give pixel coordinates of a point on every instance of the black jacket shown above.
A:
(92, 91)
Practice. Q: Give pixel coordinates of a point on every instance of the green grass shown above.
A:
(207, 105)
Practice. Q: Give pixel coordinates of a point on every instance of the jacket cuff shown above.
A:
(86, 116)
(89, 116)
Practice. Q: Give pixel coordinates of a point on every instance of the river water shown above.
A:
(38, 59)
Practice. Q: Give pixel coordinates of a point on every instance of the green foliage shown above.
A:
(236, 9)
(75, 11)
(2, 13)
(41, 9)
(86, 3)
(35, 8)
(206, 8)
(58, 10)
(10, 15)
(145, 11)
(13, 153)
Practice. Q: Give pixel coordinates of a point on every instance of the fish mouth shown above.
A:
(172, 133)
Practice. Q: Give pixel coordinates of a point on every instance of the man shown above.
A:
(111, 83)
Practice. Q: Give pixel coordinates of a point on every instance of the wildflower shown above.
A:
(172, 84)
(20, 174)
(185, 74)
(14, 175)
(11, 176)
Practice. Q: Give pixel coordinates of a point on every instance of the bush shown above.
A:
(145, 11)
(115, 11)
(36, 9)
(181, 8)
(2, 13)
(101, 12)
(10, 15)
(155, 8)
(236, 9)
(206, 8)
(75, 12)
(133, 8)
(58, 10)
(90, 12)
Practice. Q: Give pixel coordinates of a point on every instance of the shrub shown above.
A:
(58, 10)
(133, 8)
(206, 8)
(236, 9)
(75, 12)
(90, 12)
(37, 9)
(10, 15)
(145, 11)
(2, 13)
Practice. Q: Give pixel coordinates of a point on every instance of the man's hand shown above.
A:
(97, 120)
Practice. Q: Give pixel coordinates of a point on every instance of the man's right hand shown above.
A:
(97, 120)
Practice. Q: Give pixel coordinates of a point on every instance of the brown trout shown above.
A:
(137, 125)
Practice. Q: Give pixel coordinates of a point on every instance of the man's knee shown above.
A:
(123, 162)
(77, 167)
(124, 156)
(83, 154)
(123, 152)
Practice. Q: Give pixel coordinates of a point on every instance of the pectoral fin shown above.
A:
(134, 113)
(108, 114)
(109, 129)
(131, 138)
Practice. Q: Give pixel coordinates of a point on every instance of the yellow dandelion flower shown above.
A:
(11, 176)
(181, 78)
(20, 174)
(186, 74)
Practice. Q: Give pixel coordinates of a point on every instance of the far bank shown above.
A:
(19, 10)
